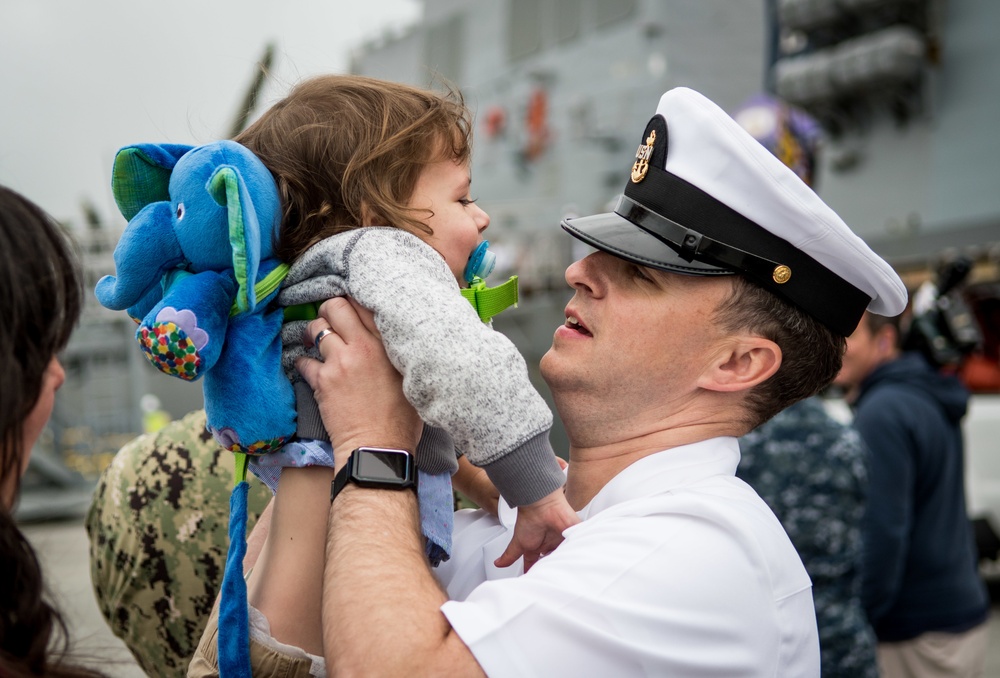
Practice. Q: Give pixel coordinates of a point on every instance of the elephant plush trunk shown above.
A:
(147, 250)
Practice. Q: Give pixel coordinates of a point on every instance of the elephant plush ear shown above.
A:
(141, 175)
(229, 189)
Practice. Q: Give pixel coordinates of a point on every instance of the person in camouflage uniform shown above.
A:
(158, 539)
(810, 469)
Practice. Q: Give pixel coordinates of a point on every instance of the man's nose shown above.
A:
(582, 274)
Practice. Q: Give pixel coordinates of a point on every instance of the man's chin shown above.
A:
(559, 375)
(545, 364)
(556, 372)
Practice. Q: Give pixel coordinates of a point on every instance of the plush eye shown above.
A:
(180, 211)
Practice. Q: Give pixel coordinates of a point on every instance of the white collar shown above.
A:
(666, 471)
(657, 474)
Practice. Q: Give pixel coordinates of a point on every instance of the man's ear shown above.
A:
(741, 364)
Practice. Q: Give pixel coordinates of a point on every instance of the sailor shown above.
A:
(721, 291)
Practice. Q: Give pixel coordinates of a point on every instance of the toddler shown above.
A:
(374, 181)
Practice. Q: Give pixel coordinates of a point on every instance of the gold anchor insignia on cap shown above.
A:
(781, 274)
(642, 157)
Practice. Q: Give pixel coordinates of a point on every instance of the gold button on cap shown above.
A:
(781, 274)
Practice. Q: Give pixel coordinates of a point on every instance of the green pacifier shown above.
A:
(488, 301)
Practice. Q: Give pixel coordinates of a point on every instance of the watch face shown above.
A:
(381, 465)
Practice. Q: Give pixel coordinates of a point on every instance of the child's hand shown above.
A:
(473, 482)
(538, 530)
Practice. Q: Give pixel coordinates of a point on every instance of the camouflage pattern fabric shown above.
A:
(811, 471)
(158, 540)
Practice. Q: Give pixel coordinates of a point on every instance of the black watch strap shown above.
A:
(340, 480)
(377, 467)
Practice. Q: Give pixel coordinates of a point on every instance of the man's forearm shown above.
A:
(381, 604)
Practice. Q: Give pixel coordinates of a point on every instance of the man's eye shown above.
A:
(640, 272)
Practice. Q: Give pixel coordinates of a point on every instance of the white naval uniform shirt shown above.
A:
(678, 569)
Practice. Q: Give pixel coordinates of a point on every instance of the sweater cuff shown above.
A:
(528, 472)
(436, 452)
(309, 423)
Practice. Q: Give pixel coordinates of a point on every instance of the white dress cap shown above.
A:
(705, 198)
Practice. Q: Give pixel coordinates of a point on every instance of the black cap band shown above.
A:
(691, 245)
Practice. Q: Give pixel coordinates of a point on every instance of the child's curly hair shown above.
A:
(346, 151)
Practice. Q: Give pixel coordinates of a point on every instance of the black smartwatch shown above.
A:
(376, 467)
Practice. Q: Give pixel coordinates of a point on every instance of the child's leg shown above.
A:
(286, 583)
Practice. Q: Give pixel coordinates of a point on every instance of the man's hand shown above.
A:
(358, 391)
(538, 530)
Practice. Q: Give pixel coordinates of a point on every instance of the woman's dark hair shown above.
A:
(346, 151)
(33, 636)
(40, 298)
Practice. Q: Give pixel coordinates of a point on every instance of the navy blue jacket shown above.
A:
(920, 565)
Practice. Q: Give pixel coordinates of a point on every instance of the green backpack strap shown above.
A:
(490, 301)
(265, 286)
(240, 467)
(306, 311)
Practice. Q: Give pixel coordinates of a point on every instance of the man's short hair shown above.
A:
(811, 355)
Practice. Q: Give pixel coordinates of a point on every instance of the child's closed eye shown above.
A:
(465, 202)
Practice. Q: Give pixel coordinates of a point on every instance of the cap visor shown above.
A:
(614, 234)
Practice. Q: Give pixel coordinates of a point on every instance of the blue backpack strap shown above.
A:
(234, 614)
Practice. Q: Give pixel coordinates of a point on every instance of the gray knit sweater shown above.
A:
(458, 373)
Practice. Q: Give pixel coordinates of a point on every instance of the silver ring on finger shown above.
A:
(321, 335)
